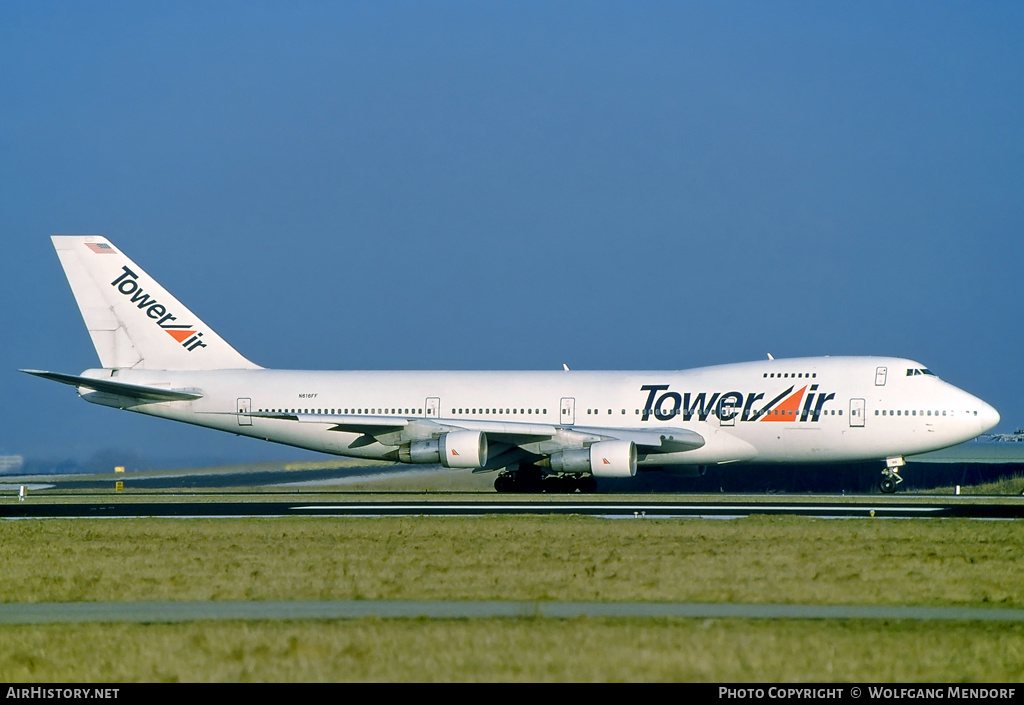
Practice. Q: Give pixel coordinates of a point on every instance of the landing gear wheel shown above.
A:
(558, 485)
(891, 474)
(890, 478)
(526, 479)
(587, 484)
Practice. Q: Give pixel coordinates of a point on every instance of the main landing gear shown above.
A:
(890, 475)
(530, 479)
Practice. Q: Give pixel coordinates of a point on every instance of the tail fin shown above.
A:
(133, 321)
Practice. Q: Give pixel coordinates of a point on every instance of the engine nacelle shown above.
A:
(464, 449)
(603, 459)
(456, 449)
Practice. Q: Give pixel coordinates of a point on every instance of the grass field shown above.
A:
(1012, 486)
(515, 650)
(754, 560)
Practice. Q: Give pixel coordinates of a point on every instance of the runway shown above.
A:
(186, 611)
(290, 505)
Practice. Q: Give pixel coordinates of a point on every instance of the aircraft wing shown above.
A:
(540, 438)
(111, 386)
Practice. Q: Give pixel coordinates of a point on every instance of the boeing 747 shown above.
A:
(566, 428)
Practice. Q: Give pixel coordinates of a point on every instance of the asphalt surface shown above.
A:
(298, 505)
(169, 612)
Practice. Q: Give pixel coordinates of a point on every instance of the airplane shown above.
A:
(558, 430)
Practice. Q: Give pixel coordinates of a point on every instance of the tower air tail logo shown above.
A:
(127, 285)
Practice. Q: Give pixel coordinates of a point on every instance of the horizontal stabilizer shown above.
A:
(109, 386)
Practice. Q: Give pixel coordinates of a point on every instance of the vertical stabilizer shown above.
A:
(133, 321)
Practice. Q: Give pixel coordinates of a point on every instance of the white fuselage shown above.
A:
(822, 409)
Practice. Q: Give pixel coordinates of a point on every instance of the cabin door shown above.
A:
(244, 407)
(567, 415)
(857, 417)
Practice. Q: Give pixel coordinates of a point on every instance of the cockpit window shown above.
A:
(920, 371)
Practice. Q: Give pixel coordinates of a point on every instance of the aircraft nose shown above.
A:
(988, 417)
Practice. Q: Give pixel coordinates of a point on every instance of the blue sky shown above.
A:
(493, 185)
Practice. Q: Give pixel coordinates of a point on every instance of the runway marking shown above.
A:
(171, 612)
(606, 509)
(590, 507)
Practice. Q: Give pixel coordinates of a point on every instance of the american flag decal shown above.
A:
(101, 248)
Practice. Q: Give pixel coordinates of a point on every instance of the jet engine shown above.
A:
(455, 449)
(603, 459)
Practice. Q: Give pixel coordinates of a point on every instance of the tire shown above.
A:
(587, 484)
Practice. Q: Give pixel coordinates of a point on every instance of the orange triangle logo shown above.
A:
(787, 410)
(180, 335)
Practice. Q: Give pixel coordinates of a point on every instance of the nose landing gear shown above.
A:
(890, 475)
